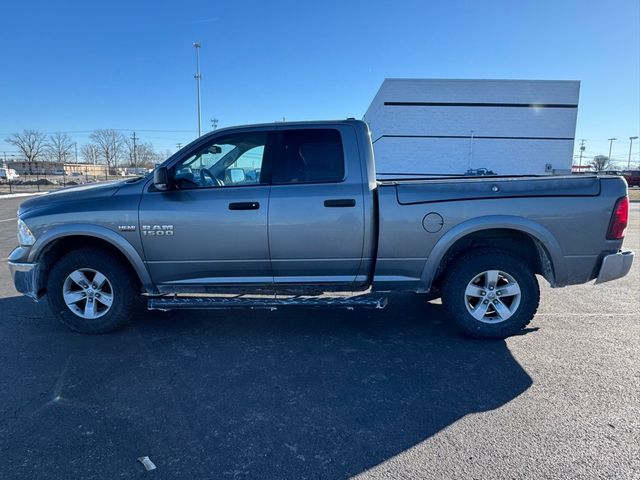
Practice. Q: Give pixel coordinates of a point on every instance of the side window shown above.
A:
(229, 161)
(309, 156)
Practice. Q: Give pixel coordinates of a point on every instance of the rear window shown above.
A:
(309, 156)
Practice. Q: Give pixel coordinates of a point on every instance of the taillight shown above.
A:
(619, 219)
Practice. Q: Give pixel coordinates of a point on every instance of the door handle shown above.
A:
(244, 206)
(340, 203)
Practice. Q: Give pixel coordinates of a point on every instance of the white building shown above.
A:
(450, 126)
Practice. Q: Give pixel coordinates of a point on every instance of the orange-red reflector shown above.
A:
(619, 220)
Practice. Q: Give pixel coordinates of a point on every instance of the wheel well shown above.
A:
(61, 246)
(516, 242)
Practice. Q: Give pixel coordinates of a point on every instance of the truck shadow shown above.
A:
(296, 393)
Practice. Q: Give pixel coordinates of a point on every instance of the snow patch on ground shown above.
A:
(17, 195)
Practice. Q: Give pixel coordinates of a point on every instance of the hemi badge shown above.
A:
(127, 228)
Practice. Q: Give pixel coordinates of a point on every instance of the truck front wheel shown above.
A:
(91, 293)
(491, 293)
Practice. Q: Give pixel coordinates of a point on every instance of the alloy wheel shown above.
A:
(492, 296)
(87, 293)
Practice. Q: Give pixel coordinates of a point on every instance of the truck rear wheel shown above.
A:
(491, 293)
(91, 293)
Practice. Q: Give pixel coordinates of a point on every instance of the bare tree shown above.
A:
(129, 151)
(161, 157)
(146, 155)
(110, 145)
(90, 153)
(601, 162)
(59, 147)
(132, 151)
(31, 143)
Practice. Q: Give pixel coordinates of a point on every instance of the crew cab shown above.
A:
(292, 214)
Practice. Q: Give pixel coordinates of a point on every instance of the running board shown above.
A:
(269, 303)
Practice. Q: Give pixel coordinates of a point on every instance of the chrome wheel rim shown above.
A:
(87, 293)
(492, 296)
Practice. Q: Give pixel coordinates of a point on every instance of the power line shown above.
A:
(116, 129)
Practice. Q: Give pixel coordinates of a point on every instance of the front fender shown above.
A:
(490, 222)
(96, 231)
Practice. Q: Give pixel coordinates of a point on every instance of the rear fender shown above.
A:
(490, 222)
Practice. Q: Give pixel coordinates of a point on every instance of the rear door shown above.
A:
(316, 211)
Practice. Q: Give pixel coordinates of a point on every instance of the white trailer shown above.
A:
(451, 126)
(8, 173)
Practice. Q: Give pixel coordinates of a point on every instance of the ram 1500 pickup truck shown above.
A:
(292, 213)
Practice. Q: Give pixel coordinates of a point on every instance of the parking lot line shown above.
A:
(572, 314)
(8, 219)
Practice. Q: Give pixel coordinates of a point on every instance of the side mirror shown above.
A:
(161, 178)
(237, 175)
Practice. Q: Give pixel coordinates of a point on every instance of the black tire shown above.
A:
(470, 266)
(124, 288)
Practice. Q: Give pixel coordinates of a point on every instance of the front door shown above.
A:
(316, 211)
(210, 227)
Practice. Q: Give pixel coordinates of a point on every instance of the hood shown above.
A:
(80, 192)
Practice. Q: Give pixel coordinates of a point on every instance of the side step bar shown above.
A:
(269, 303)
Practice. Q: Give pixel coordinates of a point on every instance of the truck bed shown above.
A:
(421, 217)
(440, 189)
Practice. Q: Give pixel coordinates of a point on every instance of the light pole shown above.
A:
(197, 76)
(631, 139)
(610, 145)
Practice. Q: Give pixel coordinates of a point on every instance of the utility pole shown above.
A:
(178, 146)
(582, 149)
(610, 145)
(631, 139)
(197, 76)
(470, 151)
(135, 150)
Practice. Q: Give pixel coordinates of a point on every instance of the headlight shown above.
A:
(25, 237)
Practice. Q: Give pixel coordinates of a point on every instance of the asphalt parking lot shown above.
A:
(330, 394)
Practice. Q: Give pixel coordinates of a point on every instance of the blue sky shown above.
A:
(78, 66)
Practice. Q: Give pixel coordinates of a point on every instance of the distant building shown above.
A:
(87, 169)
(36, 168)
(46, 168)
(451, 126)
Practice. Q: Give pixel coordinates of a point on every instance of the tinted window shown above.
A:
(309, 156)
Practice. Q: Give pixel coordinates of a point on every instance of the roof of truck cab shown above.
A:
(303, 123)
(288, 124)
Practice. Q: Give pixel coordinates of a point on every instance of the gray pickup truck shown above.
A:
(265, 216)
